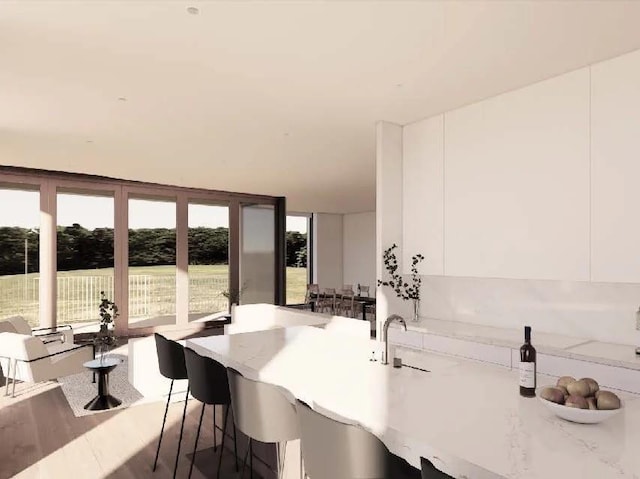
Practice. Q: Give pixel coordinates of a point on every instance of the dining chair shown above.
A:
(312, 295)
(348, 287)
(364, 291)
(172, 366)
(346, 303)
(429, 471)
(327, 301)
(263, 413)
(210, 385)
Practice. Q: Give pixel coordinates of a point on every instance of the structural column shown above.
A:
(182, 259)
(48, 255)
(388, 213)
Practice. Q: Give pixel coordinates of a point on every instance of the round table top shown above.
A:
(102, 363)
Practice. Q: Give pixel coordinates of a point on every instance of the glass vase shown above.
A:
(416, 310)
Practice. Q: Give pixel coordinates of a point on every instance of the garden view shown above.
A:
(85, 267)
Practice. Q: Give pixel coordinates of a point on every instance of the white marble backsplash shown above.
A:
(599, 311)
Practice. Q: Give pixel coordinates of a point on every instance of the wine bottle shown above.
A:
(638, 332)
(527, 366)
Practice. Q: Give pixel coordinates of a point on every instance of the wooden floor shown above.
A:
(41, 438)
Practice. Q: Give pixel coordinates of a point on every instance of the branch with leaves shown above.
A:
(108, 311)
(402, 289)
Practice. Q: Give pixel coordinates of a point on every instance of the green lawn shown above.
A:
(151, 291)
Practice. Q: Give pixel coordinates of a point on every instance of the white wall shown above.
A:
(525, 205)
(359, 249)
(327, 250)
(389, 199)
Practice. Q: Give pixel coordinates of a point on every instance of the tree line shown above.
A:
(81, 248)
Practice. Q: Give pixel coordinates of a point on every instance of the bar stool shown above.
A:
(334, 450)
(262, 413)
(429, 471)
(172, 366)
(209, 385)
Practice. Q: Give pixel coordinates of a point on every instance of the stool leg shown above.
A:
(164, 419)
(235, 444)
(8, 377)
(15, 373)
(224, 433)
(215, 443)
(184, 414)
(251, 459)
(244, 462)
(195, 446)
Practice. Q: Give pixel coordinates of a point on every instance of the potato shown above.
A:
(564, 380)
(577, 402)
(553, 394)
(593, 385)
(591, 401)
(579, 388)
(608, 400)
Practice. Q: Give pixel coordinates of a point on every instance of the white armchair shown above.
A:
(35, 355)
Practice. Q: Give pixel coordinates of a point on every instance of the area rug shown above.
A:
(79, 390)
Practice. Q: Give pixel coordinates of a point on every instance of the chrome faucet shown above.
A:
(385, 334)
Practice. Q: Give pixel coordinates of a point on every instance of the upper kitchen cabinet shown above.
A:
(516, 183)
(615, 156)
(422, 195)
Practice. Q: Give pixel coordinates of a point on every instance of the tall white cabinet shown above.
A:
(615, 156)
(538, 183)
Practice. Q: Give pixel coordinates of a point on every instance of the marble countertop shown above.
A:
(466, 417)
(618, 355)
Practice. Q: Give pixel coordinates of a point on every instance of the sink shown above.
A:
(423, 361)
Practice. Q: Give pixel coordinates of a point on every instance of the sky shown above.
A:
(22, 208)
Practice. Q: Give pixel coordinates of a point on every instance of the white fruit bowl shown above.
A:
(582, 416)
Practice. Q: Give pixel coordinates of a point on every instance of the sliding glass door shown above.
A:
(257, 254)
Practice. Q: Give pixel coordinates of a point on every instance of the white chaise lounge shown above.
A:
(40, 354)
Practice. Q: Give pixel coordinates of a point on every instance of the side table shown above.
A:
(103, 400)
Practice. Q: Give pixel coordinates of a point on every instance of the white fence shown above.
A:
(79, 296)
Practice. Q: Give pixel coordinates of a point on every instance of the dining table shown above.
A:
(364, 301)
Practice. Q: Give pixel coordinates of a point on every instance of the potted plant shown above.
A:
(233, 295)
(105, 339)
(405, 291)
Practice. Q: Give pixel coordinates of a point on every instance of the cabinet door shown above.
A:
(516, 189)
(422, 198)
(615, 156)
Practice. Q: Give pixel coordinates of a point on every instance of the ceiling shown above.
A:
(275, 98)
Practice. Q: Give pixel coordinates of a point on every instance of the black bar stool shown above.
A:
(209, 385)
(172, 366)
(429, 471)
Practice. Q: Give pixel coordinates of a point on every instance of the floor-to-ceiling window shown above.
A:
(167, 255)
(208, 259)
(85, 255)
(19, 253)
(152, 262)
(297, 257)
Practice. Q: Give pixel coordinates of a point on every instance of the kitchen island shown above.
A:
(465, 417)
